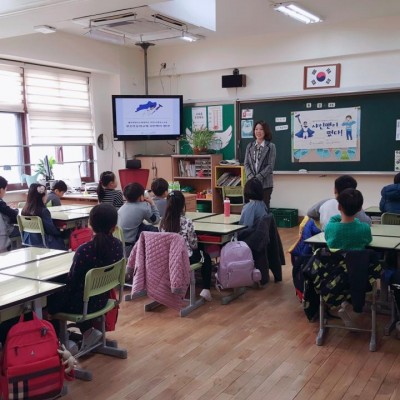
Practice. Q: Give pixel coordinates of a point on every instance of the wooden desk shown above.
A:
(42, 270)
(26, 255)
(15, 291)
(386, 230)
(69, 219)
(194, 215)
(216, 233)
(89, 199)
(221, 219)
(378, 242)
(373, 211)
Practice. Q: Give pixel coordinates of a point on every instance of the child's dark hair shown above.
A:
(345, 182)
(133, 191)
(3, 182)
(351, 201)
(253, 190)
(102, 218)
(106, 177)
(159, 186)
(266, 129)
(396, 178)
(171, 222)
(61, 186)
(34, 202)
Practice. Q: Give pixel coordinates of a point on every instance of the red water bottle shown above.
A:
(227, 207)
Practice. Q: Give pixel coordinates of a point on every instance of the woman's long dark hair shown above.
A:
(171, 221)
(105, 178)
(34, 202)
(102, 218)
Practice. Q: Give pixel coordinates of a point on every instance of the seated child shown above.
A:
(106, 191)
(174, 220)
(325, 209)
(131, 215)
(345, 232)
(104, 249)
(57, 191)
(390, 200)
(160, 189)
(8, 217)
(255, 207)
(36, 206)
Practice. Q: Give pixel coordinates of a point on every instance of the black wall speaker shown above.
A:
(133, 164)
(233, 81)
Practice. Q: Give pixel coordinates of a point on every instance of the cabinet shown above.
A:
(159, 167)
(233, 179)
(197, 171)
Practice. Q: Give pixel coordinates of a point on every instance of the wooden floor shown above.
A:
(260, 346)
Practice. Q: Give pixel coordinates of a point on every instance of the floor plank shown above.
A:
(259, 347)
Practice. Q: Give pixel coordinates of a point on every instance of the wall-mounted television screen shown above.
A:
(147, 117)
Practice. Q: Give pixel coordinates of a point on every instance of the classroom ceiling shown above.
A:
(129, 21)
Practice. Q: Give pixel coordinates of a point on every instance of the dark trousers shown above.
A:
(267, 196)
(206, 269)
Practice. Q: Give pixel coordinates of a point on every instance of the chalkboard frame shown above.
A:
(380, 112)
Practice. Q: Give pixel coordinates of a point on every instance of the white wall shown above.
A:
(369, 54)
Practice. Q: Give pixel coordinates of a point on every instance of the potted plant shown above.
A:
(199, 139)
(42, 169)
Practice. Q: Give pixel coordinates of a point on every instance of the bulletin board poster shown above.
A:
(218, 118)
(327, 135)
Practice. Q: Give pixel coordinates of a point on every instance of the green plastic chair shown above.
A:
(235, 195)
(390, 219)
(119, 234)
(97, 281)
(21, 204)
(31, 224)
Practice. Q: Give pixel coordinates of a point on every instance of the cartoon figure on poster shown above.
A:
(348, 123)
(305, 132)
(326, 134)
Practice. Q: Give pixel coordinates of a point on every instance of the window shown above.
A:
(44, 111)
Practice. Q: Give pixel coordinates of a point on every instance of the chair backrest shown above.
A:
(127, 176)
(119, 234)
(30, 178)
(102, 280)
(390, 218)
(234, 193)
(31, 224)
(21, 204)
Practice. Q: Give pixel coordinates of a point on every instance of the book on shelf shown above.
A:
(222, 178)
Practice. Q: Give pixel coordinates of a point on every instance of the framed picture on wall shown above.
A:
(322, 76)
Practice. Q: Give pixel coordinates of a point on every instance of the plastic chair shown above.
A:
(97, 281)
(30, 178)
(192, 302)
(21, 204)
(31, 224)
(127, 176)
(390, 219)
(235, 195)
(369, 259)
(119, 234)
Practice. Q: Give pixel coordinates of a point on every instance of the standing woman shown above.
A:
(259, 160)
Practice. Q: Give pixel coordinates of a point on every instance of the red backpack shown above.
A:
(79, 236)
(31, 367)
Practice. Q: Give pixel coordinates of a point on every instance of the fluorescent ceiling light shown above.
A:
(296, 12)
(189, 37)
(44, 29)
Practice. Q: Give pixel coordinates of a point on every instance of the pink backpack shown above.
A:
(236, 267)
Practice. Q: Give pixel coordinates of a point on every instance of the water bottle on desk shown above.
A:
(227, 207)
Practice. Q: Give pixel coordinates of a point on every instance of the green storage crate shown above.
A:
(285, 217)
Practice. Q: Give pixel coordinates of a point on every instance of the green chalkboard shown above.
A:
(379, 114)
(225, 116)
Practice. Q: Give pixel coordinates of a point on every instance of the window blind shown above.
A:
(11, 93)
(58, 106)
